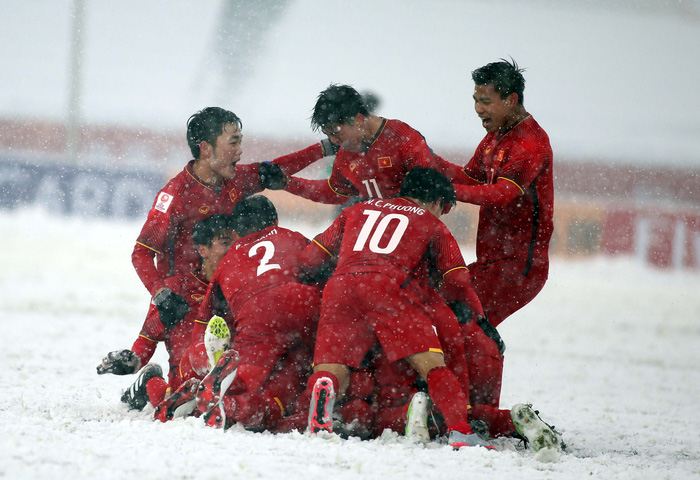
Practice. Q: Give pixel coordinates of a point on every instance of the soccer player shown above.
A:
(379, 245)
(510, 177)
(210, 183)
(274, 322)
(374, 153)
(212, 236)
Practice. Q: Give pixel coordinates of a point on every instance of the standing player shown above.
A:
(212, 236)
(274, 321)
(374, 155)
(211, 183)
(510, 177)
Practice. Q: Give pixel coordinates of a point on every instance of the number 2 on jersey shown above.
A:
(377, 233)
(269, 252)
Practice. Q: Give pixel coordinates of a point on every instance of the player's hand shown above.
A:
(463, 313)
(271, 176)
(119, 362)
(172, 308)
(329, 148)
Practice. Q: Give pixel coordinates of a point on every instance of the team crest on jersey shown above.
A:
(384, 162)
(197, 297)
(163, 202)
(233, 195)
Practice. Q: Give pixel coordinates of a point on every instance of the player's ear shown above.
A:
(205, 148)
(203, 251)
(512, 99)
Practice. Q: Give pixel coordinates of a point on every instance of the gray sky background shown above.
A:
(609, 80)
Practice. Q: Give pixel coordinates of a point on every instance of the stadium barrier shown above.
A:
(651, 213)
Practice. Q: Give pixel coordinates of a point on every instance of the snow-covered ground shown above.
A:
(608, 353)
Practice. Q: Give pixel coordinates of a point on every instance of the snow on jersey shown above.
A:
(391, 237)
(379, 172)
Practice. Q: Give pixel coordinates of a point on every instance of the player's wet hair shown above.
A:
(206, 125)
(206, 230)
(428, 185)
(337, 104)
(253, 214)
(506, 78)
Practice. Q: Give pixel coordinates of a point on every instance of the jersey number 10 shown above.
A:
(375, 232)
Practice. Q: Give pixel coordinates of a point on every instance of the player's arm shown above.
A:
(317, 261)
(297, 161)
(152, 240)
(498, 194)
(319, 191)
(274, 175)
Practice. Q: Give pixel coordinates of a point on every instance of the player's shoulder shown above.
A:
(401, 130)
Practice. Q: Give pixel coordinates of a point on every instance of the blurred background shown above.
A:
(96, 95)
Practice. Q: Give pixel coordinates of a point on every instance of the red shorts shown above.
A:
(275, 321)
(503, 289)
(361, 309)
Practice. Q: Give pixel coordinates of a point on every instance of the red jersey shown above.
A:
(259, 262)
(184, 201)
(522, 228)
(190, 286)
(378, 172)
(392, 237)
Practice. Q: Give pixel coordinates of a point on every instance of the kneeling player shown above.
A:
(171, 322)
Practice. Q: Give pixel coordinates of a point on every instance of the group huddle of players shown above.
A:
(376, 323)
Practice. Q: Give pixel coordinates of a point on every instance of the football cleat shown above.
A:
(216, 417)
(180, 404)
(321, 407)
(136, 395)
(215, 384)
(531, 427)
(458, 440)
(417, 418)
(216, 339)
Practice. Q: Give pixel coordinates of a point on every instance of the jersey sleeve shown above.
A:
(316, 190)
(297, 161)
(525, 164)
(162, 219)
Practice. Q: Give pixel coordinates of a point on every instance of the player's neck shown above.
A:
(204, 173)
(519, 114)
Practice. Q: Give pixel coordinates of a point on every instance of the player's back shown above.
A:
(258, 262)
(386, 236)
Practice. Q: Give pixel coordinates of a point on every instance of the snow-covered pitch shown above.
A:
(608, 353)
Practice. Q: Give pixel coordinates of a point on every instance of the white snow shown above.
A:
(607, 352)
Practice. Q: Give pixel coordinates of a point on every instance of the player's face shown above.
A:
(227, 152)
(219, 246)
(493, 110)
(347, 136)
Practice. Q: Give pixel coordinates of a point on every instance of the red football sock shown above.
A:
(447, 396)
(499, 422)
(156, 388)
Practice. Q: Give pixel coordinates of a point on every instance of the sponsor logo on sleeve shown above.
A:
(163, 202)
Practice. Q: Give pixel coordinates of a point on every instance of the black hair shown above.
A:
(206, 125)
(206, 230)
(253, 214)
(506, 78)
(337, 104)
(428, 185)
